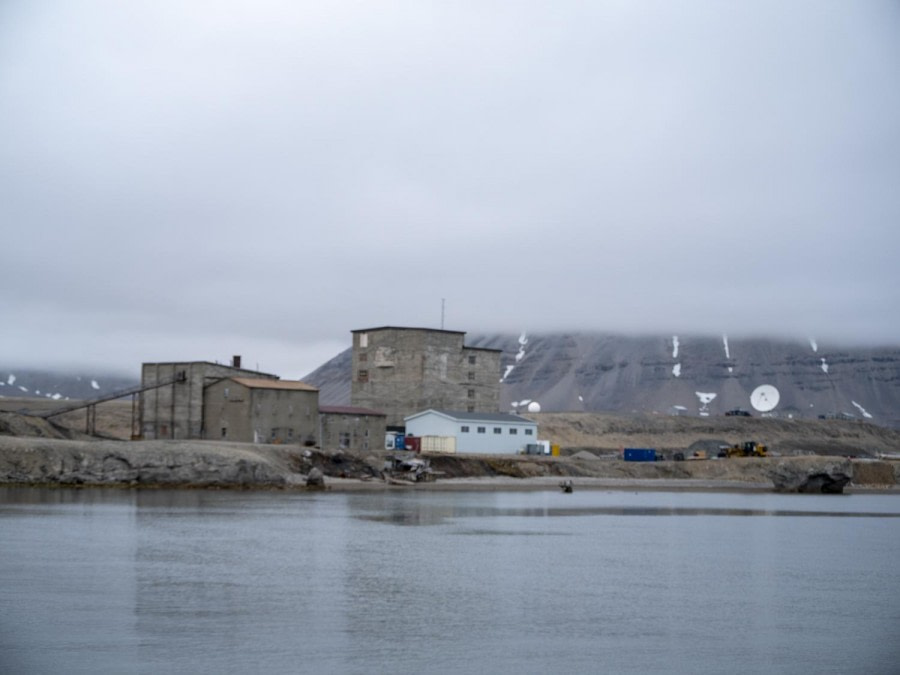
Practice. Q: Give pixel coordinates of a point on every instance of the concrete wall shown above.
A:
(505, 434)
(234, 412)
(405, 370)
(175, 411)
(348, 431)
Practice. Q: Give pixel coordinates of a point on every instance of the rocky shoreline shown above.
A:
(208, 464)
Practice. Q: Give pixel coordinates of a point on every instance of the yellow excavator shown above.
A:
(745, 449)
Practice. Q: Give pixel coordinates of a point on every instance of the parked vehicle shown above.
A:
(746, 449)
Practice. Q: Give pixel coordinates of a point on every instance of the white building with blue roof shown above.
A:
(476, 433)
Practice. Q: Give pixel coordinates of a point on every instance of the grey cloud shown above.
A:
(277, 174)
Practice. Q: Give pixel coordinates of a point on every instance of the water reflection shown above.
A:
(206, 581)
(436, 516)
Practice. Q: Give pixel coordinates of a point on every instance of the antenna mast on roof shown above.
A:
(443, 301)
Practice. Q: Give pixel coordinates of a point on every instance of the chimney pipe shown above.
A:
(236, 361)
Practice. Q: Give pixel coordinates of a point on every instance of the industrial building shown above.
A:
(171, 405)
(354, 429)
(260, 410)
(406, 370)
(475, 433)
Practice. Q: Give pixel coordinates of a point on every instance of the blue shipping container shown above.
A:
(640, 455)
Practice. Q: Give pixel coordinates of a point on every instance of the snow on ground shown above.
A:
(862, 410)
(523, 340)
(674, 346)
(676, 370)
(824, 366)
(705, 400)
(727, 352)
(814, 345)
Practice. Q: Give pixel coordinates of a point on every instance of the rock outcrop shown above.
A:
(148, 463)
(829, 477)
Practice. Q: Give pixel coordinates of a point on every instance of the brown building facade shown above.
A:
(258, 410)
(174, 410)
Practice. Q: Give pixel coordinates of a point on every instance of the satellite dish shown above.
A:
(764, 398)
(534, 407)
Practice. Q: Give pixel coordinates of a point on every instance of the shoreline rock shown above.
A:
(210, 464)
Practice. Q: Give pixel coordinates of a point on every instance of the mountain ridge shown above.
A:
(676, 374)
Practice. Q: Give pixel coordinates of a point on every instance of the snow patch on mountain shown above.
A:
(674, 346)
(676, 370)
(824, 366)
(727, 352)
(862, 410)
(523, 340)
(705, 400)
(814, 344)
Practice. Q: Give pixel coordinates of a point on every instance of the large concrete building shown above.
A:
(173, 408)
(260, 410)
(402, 371)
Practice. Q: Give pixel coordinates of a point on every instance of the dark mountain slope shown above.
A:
(687, 375)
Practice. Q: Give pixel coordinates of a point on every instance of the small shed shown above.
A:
(350, 428)
(256, 410)
(475, 433)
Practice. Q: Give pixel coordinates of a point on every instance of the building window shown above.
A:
(225, 393)
(472, 359)
(471, 376)
(481, 430)
(470, 408)
(290, 433)
(513, 431)
(471, 393)
(363, 358)
(224, 432)
(363, 340)
(498, 430)
(344, 440)
(464, 429)
(363, 376)
(529, 432)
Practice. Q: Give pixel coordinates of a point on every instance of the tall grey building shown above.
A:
(401, 371)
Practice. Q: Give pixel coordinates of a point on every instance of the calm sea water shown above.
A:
(102, 581)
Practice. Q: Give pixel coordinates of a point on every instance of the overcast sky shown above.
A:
(192, 180)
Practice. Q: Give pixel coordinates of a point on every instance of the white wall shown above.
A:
(471, 441)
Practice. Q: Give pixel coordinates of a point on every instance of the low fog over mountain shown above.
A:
(678, 374)
(35, 383)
